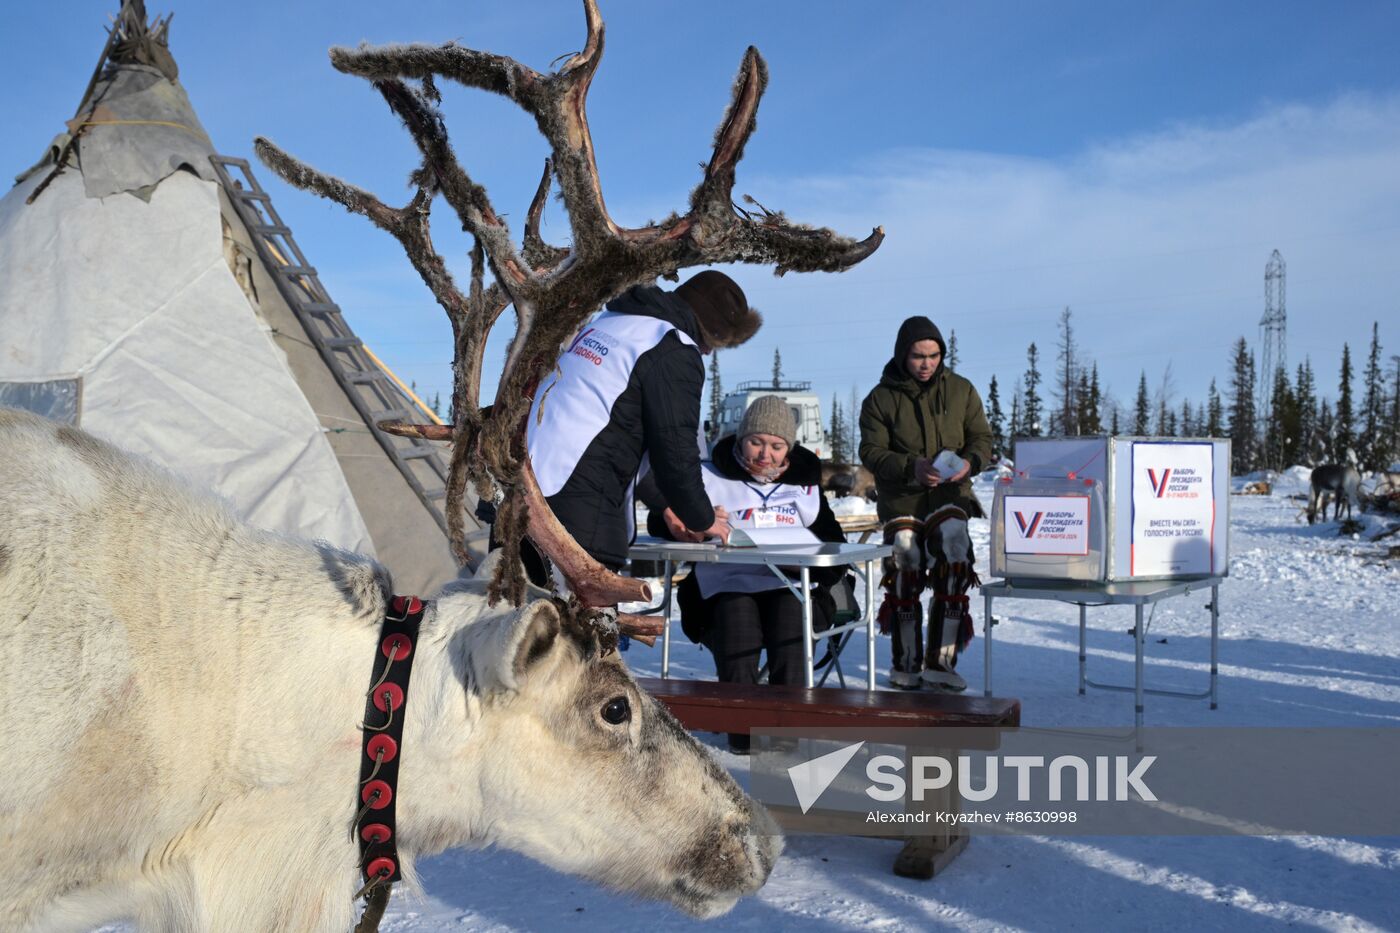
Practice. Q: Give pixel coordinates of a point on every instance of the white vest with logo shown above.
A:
(752, 504)
(574, 403)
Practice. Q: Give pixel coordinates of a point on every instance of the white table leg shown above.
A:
(1082, 655)
(1138, 639)
(807, 626)
(986, 644)
(870, 625)
(1214, 641)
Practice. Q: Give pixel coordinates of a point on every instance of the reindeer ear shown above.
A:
(536, 631)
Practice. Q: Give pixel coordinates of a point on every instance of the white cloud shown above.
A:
(1157, 242)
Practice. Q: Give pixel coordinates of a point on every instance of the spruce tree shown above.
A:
(1282, 434)
(1305, 408)
(1030, 418)
(951, 359)
(716, 396)
(1394, 432)
(1141, 412)
(1374, 449)
(1344, 431)
(1165, 419)
(1215, 413)
(1113, 428)
(1065, 378)
(1097, 395)
(1242, 428)
(1324, 434)
(839, 454)
(1013, 430)
(1082, 401)
(853, 426)
(1184, 423)
(777, 367)
(996, 419)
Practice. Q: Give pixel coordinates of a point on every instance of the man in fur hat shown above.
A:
(628, 387)
(919, 411)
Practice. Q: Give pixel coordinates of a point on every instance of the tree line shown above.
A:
(1299, 425)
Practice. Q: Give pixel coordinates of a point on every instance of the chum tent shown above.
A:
(150, 294)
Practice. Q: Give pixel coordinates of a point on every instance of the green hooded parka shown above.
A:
(903, 419)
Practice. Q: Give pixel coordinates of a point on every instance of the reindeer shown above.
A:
(184, 696)
(847, 480)
(1341, 483)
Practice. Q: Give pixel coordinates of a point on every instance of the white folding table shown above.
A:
(1135, 593)
(802, 556)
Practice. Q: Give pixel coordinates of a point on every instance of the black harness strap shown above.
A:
(381, 750)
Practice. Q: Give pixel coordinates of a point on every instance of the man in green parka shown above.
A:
(919, 410)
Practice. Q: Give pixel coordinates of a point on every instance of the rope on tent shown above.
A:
(178, 126)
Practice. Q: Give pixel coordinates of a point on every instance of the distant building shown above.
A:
(806, 411)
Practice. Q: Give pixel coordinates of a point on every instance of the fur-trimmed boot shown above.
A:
(948, 551)
(901, 614)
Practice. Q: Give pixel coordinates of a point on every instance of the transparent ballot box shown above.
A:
(1049, 529)
(1148, 508)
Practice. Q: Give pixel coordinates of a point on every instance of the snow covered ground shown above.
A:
(1310, 636)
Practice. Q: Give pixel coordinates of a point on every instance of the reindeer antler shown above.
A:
(553, 290)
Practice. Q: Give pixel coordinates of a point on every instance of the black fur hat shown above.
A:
(720, 309)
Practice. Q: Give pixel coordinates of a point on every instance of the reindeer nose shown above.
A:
(763, 843)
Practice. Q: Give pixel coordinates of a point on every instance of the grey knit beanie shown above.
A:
(769, 414)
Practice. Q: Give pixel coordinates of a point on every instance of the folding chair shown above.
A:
(844, 595)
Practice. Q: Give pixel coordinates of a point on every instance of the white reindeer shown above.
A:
(182, 698)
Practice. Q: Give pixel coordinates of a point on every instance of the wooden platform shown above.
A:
(707, 706)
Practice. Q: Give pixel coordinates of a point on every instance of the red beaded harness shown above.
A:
(383, 735)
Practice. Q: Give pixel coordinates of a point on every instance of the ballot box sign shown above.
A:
(1173, 505)
(1046, 525)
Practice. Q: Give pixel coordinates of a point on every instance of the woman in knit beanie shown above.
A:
(766, 435)
(764, 480)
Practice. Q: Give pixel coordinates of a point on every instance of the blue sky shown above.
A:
(1136, 162)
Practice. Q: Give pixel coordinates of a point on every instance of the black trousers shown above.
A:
(744, 625)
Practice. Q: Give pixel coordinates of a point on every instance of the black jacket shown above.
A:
(804, 469)
(657, 414)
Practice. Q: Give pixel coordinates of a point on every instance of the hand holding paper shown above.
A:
(949, 466)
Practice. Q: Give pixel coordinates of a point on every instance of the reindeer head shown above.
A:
(553, 290)
(567, 761)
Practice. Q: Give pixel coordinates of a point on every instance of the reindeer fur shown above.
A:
(182, 697)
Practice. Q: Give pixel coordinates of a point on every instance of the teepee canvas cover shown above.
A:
(136, 303)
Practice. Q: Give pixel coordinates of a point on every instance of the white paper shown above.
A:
(948, 464)
(763, 537)
(1173, 509)
(1046, 525)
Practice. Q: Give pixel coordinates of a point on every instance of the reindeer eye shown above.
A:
(617, 711)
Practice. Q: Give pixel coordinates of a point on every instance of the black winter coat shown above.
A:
(657, 414)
